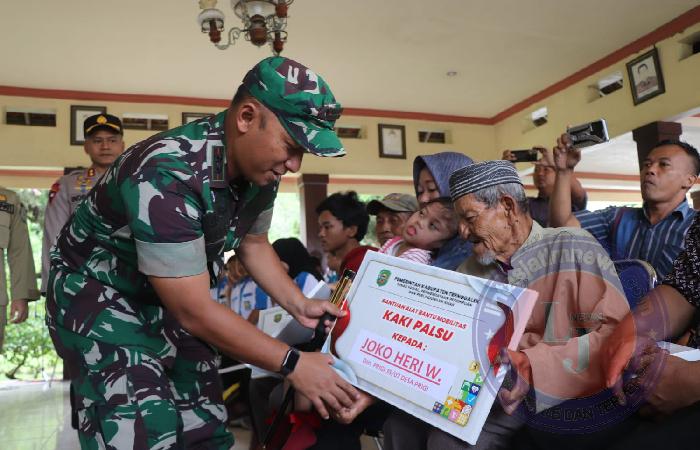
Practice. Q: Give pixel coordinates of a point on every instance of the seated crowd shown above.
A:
(475, 218)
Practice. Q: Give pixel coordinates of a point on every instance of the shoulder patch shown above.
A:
(54, 190)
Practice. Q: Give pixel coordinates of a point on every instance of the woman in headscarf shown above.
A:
(431, 175)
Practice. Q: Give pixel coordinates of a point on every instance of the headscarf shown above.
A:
(440, 165)
(293, 252)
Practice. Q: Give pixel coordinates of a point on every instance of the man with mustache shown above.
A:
(655, 231)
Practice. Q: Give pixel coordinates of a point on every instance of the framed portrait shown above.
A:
(646, 80)
(188, 117)
(392, 141)
(78, 114)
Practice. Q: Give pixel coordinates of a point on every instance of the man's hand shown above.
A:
(617, 351)
(547, 158)
(565, 155)
(508, 156)
(675, 387)
(347, 415)
(316, 380)
(309, 311)
(19, 311)
(522, 376)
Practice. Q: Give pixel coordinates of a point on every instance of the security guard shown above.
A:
(103, 144)
(14, 242)
(128, 293)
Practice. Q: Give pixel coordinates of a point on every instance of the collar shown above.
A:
(683, 209)
(534, 236)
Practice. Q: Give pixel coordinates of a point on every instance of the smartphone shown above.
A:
(529, 155)
(588, 134)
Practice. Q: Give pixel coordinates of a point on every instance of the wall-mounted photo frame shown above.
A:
(188, 117)
(646, 79)
(392, 141)
(78, 114)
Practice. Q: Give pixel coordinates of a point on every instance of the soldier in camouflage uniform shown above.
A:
(103, 144)
(128, 294)
(14, 244)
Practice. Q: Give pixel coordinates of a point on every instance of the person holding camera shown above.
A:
(543, 177)
(654, 232)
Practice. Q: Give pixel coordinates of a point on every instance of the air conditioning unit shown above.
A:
(610, 84)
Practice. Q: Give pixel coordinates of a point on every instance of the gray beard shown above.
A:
(488, 258)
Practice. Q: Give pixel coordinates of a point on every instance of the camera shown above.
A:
(529, 155)
(588, 134)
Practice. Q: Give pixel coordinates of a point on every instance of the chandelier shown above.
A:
(264, 21)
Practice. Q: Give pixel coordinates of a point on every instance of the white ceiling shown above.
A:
(388, 54)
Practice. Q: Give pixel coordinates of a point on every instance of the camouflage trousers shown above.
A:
(143, 381)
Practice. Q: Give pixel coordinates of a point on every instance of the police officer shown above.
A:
(103, 144)
(128, 292)
(14, 242)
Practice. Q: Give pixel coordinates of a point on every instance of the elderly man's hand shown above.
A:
(522, 380)
(347, 415)
(565, 155)
(670, 383)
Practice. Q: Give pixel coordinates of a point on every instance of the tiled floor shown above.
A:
(36, 416)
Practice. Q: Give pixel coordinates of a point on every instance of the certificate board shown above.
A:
(423, 339)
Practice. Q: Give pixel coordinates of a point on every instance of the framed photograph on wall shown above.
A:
(188, 117)
(392, 141)
(78, 114)
(646, 79)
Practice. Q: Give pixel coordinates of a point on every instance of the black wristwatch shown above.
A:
(290, 361)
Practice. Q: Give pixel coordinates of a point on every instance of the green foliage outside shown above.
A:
(28, 352)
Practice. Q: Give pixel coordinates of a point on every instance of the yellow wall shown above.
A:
(573, 105)
(49, 148)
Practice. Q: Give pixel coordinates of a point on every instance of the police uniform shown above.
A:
(67, 192)
(165, 208)
(64, 197)
(14, 243)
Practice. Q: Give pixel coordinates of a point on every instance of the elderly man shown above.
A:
(580, 301)
(392, 213)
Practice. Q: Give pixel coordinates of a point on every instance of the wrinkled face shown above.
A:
(103, 147)
(390, 224)
(430, 227)
(667, 172)
(487, 228)
(544, 177)
(332, 232)
(261, 150)
(427, 189)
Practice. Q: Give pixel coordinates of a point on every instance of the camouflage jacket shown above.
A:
(148, 216)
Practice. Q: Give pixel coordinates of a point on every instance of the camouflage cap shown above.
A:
(301, 100)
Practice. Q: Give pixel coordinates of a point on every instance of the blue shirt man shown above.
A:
(653, 233)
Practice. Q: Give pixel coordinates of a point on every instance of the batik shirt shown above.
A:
(145, 218)
(685, 276)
